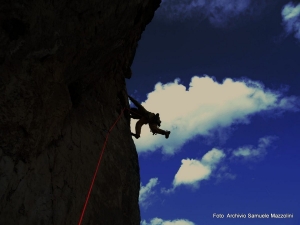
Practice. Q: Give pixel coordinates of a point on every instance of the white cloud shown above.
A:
(158, 221)
(218, 12)
(223, 173)
(167, 191)
(221, 11)
(192, 171)
(147, 191)
(205, 107)
(226, 176)
(291, 19)
(249, 152)
(212, 157)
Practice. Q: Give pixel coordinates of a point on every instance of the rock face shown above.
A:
(62, 85)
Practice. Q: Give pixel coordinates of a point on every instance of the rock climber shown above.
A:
(145, 117)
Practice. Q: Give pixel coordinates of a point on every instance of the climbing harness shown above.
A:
(156, 119)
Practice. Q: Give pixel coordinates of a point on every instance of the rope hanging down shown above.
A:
(96, 171)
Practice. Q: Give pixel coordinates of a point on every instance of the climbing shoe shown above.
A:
(136, 136)
(167, 134)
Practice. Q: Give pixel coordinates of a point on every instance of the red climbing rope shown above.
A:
(99, 161)
(96, 171)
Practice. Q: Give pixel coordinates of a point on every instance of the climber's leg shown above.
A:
(138, 127)
(154, 128)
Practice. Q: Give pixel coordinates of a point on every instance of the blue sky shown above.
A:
(224, 76)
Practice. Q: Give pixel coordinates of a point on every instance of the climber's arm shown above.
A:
(137, 104)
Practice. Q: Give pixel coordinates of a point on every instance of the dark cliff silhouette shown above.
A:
(63, 66)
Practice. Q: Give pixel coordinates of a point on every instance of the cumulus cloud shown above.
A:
(218, 12)
(192, 171)
(206, 107)
(158, 221)
(291, 19)
(250, 152)
(147, 191)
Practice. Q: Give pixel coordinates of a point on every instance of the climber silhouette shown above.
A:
(145, 117)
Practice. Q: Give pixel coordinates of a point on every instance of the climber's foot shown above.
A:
(167, 134)
(135, 135)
